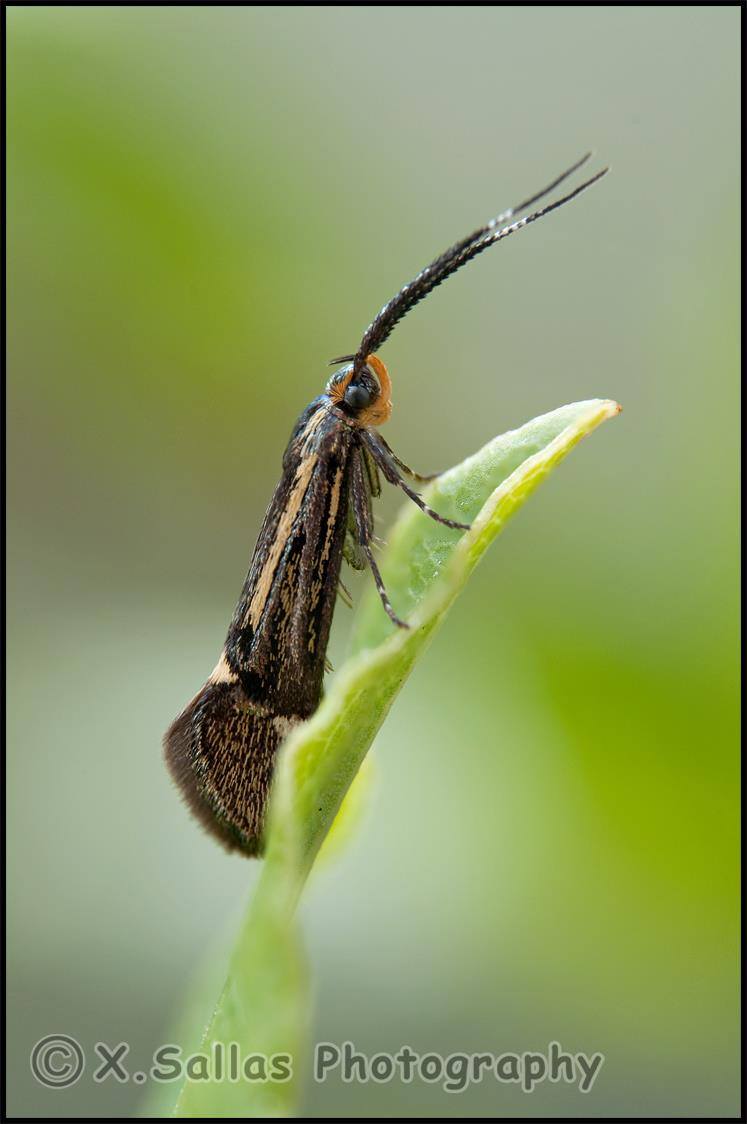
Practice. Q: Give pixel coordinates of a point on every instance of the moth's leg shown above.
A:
(360, 501)
(372, 472)
(344, 593)
(381, 457)
(374, 481)
(352, 551)
(419, 476)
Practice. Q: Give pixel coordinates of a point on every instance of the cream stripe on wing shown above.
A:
(295, 499)
(334, 504)
(222, 673)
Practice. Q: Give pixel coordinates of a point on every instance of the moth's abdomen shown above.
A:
(221, 752)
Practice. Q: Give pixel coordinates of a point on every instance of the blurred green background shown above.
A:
(207, 203)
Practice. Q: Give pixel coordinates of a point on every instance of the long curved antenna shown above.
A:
(509, 214)
(455, 257)
(504, 216)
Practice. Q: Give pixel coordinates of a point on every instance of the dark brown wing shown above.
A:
(221, 753)
(221, 749)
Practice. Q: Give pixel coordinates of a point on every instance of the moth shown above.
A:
(221, 749)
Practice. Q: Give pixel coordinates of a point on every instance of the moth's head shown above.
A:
(364, 394)
(362, 389)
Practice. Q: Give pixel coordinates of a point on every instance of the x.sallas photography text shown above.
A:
(59, 1061)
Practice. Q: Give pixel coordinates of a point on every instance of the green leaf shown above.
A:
(264, 1004)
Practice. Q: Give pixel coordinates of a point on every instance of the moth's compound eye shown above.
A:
(358, 397)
